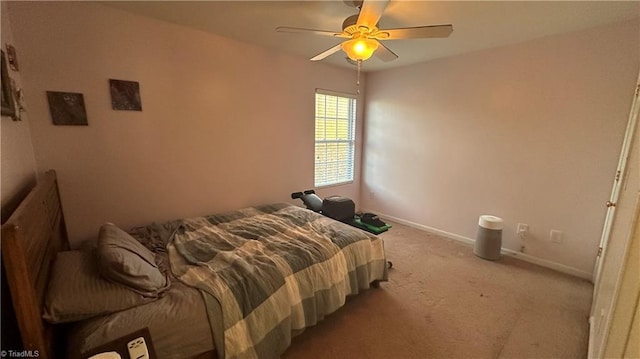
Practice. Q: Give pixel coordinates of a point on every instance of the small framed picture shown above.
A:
(8, 101)
(67, 108)
(13, 59)
(125, 95)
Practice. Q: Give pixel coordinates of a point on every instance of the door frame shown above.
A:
(617, 183)
(603, 320)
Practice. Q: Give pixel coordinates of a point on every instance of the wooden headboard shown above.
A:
(31, 238)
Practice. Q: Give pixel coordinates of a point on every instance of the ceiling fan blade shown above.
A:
(419, 32)
(296, 30)
(327, 53)
(384, 54)
(371, 12)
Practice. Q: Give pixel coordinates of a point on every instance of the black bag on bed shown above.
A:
(339, 208)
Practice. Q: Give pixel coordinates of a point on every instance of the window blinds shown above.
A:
(335, 138)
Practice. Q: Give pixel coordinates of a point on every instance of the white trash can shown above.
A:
(489, 237)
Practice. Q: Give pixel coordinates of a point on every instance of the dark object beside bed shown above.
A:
(342, 209)
(339, 208)
(310, 199)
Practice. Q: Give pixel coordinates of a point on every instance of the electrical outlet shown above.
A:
(556, 236)
(372, 195)
(522, 230)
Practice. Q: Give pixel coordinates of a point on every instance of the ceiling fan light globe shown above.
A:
(359, 48)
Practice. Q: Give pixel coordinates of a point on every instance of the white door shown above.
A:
(613, 243)
(617, 183)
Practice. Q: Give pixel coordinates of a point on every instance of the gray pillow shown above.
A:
(123, 259)
(77, 291)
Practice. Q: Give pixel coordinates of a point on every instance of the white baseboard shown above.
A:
(508, 252)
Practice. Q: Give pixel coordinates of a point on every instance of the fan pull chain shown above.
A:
(358, 79)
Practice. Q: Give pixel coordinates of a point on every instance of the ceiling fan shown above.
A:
(362, 33)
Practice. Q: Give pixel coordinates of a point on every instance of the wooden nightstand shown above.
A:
(120, 345)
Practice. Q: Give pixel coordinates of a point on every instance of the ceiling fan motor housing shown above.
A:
(349, 24)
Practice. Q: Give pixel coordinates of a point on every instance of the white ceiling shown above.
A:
(477, 24)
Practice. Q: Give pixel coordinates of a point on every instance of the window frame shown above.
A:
(351, 141)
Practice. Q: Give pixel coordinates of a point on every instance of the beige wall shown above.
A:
(17, 159)
(224, 124)
(529, 132)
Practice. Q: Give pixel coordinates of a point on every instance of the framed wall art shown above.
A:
(8, 102)
(125, 95)
(11, 56)
(67, 108)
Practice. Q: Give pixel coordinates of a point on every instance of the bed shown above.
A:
(240, 284)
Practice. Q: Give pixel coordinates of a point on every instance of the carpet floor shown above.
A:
(441, 301)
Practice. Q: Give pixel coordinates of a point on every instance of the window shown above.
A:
(335, 138)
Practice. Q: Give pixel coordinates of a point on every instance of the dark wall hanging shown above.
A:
(8, 102)
(125, 95)
(11, 56)
(67, 108)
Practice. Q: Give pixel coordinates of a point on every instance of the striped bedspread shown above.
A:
(271, 271)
